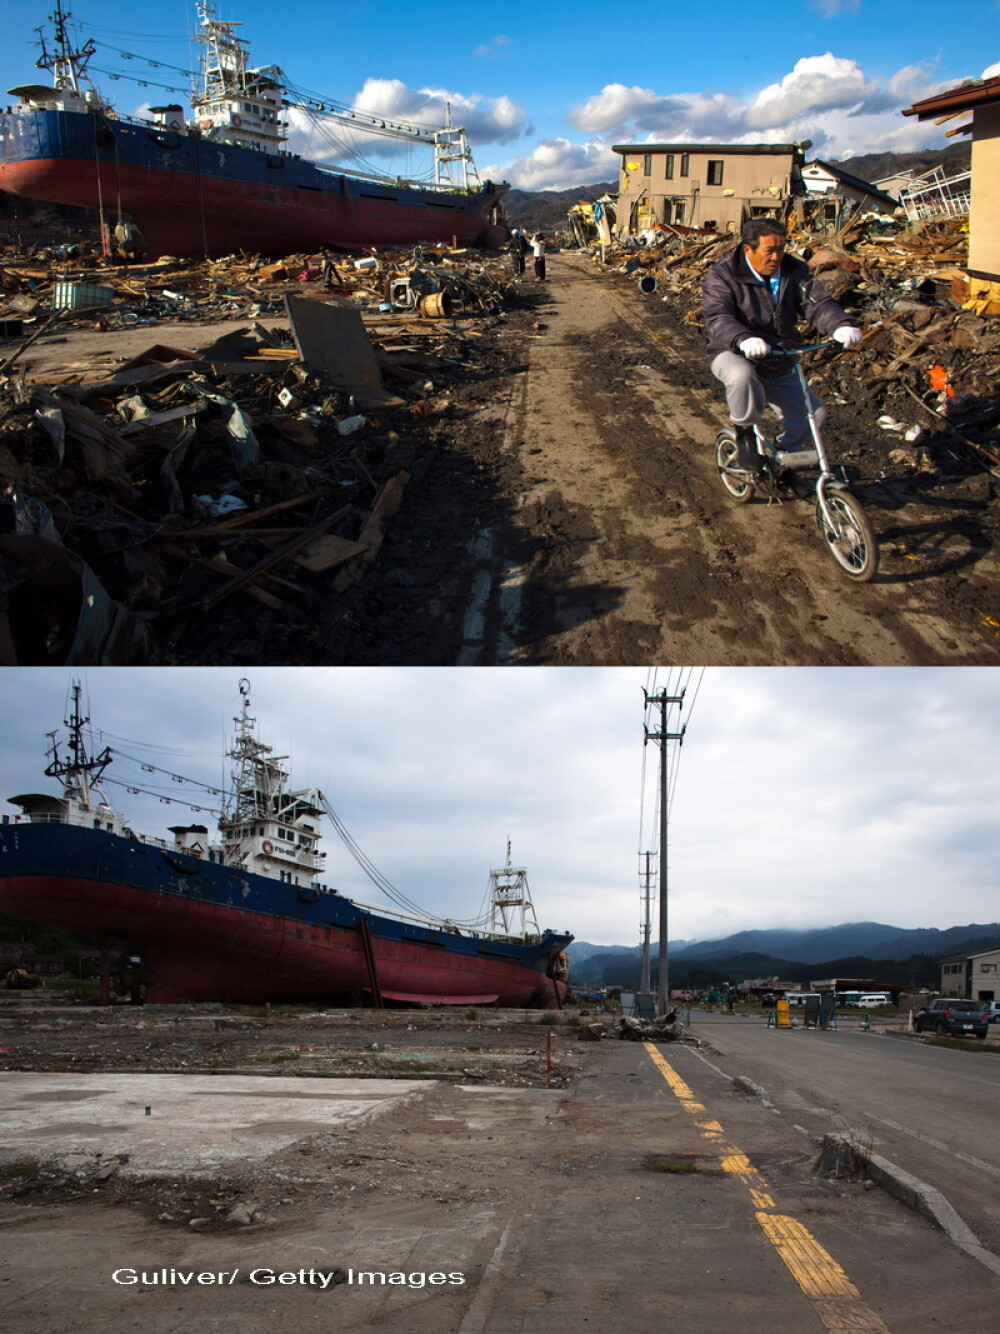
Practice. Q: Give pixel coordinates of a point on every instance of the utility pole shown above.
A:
(662, 737)
(644, 982)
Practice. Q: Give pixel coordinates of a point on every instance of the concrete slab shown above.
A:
(174, 1122)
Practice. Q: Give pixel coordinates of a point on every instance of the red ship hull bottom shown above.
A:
(196, 951)
(182, 214)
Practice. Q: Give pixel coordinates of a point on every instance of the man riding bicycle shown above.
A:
(753, 301)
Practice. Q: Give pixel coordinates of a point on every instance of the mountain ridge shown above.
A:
(877, 940)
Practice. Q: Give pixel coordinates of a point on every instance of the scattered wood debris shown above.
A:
(141, 509)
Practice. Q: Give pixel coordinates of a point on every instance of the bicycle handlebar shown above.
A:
(800, 351)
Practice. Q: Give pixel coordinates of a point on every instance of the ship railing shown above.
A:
(395, 182)
(441, 923)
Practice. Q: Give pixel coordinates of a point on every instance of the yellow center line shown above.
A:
(836, 1301)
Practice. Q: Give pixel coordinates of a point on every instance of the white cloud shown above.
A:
(827, 99)
(497, 120)
(618, 111)
(817, 83)
(831, 8)
(804, 797)
(559, 164)
(493, 48)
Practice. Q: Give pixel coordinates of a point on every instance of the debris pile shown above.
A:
(144, 512)
(929, 363)
(664, 1028)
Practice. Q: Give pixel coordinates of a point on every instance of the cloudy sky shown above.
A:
(802, 797)
(545, 89)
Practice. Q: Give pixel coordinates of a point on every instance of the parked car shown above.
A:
(948, 1015)
(992, 1011)
(871, 1000)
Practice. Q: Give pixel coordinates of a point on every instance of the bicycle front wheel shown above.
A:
(849, 536)
(737, 483)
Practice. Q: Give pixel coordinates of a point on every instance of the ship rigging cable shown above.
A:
(377, 878)
(374, 874)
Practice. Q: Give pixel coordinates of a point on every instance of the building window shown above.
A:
(670, 166)
(647, 164)
(715, 166)
(685, 164)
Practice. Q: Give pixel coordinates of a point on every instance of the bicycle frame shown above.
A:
(843, 524)
(826, 477)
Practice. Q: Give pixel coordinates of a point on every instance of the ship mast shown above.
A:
(66, 64)
(510, 901)
(80, 772)
(257, 780)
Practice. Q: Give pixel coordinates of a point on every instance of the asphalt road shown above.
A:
(933, 1111)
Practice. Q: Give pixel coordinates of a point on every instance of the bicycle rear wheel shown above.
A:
(738, 485)
(849, 536)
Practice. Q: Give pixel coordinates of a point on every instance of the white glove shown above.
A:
(847, 335)
(755, 348)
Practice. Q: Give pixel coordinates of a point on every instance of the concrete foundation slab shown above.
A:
(173, 1122)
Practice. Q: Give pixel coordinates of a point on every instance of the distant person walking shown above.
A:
(538, 250)
(518, 248)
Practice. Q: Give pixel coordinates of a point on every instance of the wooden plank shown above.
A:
(220, 564)
(282, 553)
(328, 553)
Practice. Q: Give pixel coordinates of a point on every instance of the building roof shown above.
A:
(776, 150)
(966, 97)
(855, 181)
(979, 954)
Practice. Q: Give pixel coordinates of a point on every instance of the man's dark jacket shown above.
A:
(737, 306)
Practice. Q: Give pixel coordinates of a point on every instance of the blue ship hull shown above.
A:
(213, 932)
(193, 196)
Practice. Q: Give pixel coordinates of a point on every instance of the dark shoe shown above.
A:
(747, 455)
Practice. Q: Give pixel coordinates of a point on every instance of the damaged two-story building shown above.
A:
(715, 186)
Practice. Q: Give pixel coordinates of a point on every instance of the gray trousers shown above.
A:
(748, 393)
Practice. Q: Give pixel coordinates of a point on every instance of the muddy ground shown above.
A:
(564, 508)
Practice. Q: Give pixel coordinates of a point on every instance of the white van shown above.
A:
(797, 999)
(872, 1000)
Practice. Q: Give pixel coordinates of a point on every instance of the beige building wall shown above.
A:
(714, 184)
(985, 981)
(984, 207)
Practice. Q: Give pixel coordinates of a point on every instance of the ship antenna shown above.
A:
(79, 765)
(66, 65)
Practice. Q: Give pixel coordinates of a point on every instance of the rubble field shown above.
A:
(236, 462)
(201, 466)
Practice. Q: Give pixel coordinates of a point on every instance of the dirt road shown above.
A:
(579, 458)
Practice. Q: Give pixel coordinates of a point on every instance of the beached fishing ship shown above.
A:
(223, 181)
(247, 916)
